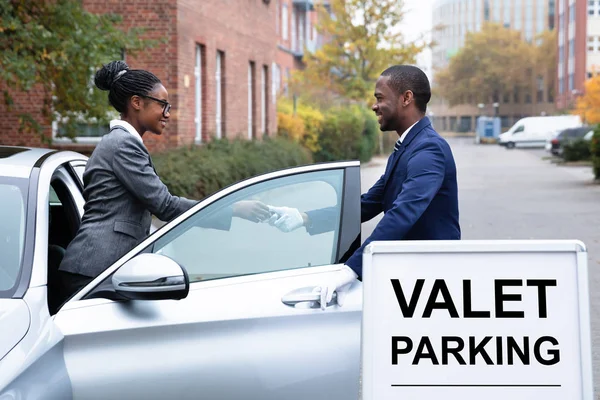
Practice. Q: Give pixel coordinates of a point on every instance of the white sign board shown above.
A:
(491, 320)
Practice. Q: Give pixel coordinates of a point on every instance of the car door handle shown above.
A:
(305, 295)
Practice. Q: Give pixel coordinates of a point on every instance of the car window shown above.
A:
(79, 168)
(211, 244)
(12, 233)
(520, 128)
(588, 136)
(54, 200)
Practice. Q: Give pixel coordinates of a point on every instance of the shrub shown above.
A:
(595, 151)
(198, 171)
(303, 128)
(347, 133)
(576, 150)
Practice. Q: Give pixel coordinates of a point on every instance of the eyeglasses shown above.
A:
(166, 105)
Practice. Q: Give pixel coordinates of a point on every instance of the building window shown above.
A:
(286, 87)
(506, 98)
(277, 17)
(551, 6)
(284, 21)
(293, 28)
(486, 10)
(506, 9)
(593, 44)
(251, 106)
(86, 130)
(264, 99)
(516, 95)
(199, 80)
(540, 89)
(274, 82)
(561, 55)
(561, 23)
(572, 12)
(571, 82)
(528, 20)
(571, 48)
(561, 85)
(591, 7)
(496, 11)
(541, 16)
(518, 14)
(220, 92)
(551, 93)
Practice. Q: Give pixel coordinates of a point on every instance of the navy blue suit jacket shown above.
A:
(418, 193)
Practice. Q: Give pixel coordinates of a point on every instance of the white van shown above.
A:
(535, 131)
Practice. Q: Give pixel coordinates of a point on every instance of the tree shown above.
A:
(588, 105)
(493, 62)
(56, 45)
(362, 40)
(546, 54)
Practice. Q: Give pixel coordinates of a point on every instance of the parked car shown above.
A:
(556, 144)
(536, 131)
(190, 312)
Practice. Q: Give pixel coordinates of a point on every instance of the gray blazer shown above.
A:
(121, 190)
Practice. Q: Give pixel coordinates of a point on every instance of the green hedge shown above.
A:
(347, 133)
(576, 150)
(198, 171)
(595, 150)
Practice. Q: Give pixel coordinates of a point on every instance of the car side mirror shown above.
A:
(151, 277)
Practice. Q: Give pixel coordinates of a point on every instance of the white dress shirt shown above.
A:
(127, 126)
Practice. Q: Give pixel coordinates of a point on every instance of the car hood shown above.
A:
(14, 313)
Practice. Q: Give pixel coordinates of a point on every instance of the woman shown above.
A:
(121, 188)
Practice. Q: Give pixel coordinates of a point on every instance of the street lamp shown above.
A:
(496, 109)
(480, 106)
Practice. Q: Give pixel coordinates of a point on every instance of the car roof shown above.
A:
(19, 161)
(579, 130)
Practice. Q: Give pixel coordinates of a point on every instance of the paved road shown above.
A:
(520, 194)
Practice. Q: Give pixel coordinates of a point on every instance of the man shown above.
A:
(418, 192)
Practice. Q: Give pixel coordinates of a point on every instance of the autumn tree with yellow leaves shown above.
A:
(362, 40)
(588, 105)
(494, 62)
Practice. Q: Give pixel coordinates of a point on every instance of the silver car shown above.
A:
(191, 312)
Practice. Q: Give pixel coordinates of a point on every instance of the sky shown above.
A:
(418, 20)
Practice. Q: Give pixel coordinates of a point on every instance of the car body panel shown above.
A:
(230, 338)
(14, 314)
(35, 368)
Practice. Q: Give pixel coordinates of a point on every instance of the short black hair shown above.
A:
(409, 77)
(122, 83)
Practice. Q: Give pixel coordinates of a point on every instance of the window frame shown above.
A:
(24, 268)
(348, 242)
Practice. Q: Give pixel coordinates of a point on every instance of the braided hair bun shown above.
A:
(109, 73)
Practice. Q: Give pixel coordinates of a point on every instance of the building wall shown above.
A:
(29, 103)
(572, 48)
(454, 19)
(243, 30)
(593, 39)
(296, 33)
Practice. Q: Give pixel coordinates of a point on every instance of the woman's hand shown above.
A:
(252, 210)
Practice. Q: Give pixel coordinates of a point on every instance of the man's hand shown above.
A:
(252, 210)
(338, 283)
(286, 219)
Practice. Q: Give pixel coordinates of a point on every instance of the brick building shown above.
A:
(578, 25)
(295, 26)
(217, 64)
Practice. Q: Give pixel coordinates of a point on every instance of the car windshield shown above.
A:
(13, 198)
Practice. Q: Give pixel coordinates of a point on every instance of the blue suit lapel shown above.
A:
(424, 122)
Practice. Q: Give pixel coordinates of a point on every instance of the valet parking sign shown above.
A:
(476, 320)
